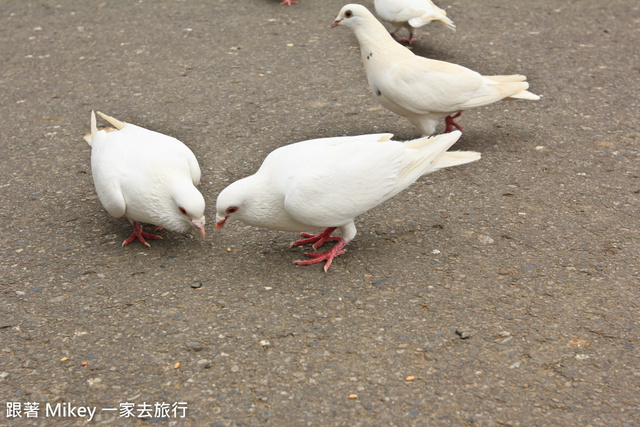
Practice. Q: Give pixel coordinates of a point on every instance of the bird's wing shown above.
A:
(341, 180)
(347, 180)
(428, 12)
(158, 148)
(107, 168)
(420, 11)
(194, 168)
(388, 10)
(424, 86)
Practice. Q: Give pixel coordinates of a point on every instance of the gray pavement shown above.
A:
(508, 288)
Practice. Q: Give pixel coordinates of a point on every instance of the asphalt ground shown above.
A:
(507, 289)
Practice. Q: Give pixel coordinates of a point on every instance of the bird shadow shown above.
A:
(423, 48)
(509, 139)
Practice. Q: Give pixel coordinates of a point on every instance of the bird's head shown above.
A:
(229, 202)
(223, 214)
(189, 207)
(350, 15)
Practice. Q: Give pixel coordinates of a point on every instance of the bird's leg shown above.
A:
(289, 2)
(317, 239)
(451, 124)
(411, 38)
(140, 235)
(328, 256)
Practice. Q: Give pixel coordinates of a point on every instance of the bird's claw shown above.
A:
(316, 239)
(451, 123)
(328, 256)
(140, 235)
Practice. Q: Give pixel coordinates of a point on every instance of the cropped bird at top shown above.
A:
(347, 177)
(410, 14)
(423, 90)
(147, 177)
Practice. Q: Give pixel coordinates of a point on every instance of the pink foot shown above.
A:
(327, 256)
(317, 239)
(451, 124)
(289, 2)
(140, 235)
(406, 40)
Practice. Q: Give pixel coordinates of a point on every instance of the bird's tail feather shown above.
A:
(94, 129)
(525, 94)
(455, 158)
(115, 122)
(449, 23)
(426, 158)
(439, 15)
(429, 151)
(514, 78)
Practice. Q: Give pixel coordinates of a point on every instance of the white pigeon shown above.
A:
(349, 176)
(423, 90)
(410, 14)
(147, 177)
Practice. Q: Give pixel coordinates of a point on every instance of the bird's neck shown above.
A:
(376, 44)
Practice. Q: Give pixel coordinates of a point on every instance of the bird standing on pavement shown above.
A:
(326, 183)
(423, 90)
(147, 177)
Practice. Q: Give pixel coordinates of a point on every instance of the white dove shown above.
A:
(410, 14)
(349, 176)
(423, 90)
(147, 177)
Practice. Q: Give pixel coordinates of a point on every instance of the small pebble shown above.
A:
(204, 363)
(194, 346)
(265, 343)
(464, 334)
(196, 285)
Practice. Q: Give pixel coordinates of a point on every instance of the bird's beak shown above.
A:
(220, 221)
(199, 225)
(336, 23)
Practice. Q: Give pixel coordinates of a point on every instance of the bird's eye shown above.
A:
(348, 14)
(183, 211)
(231, 210)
